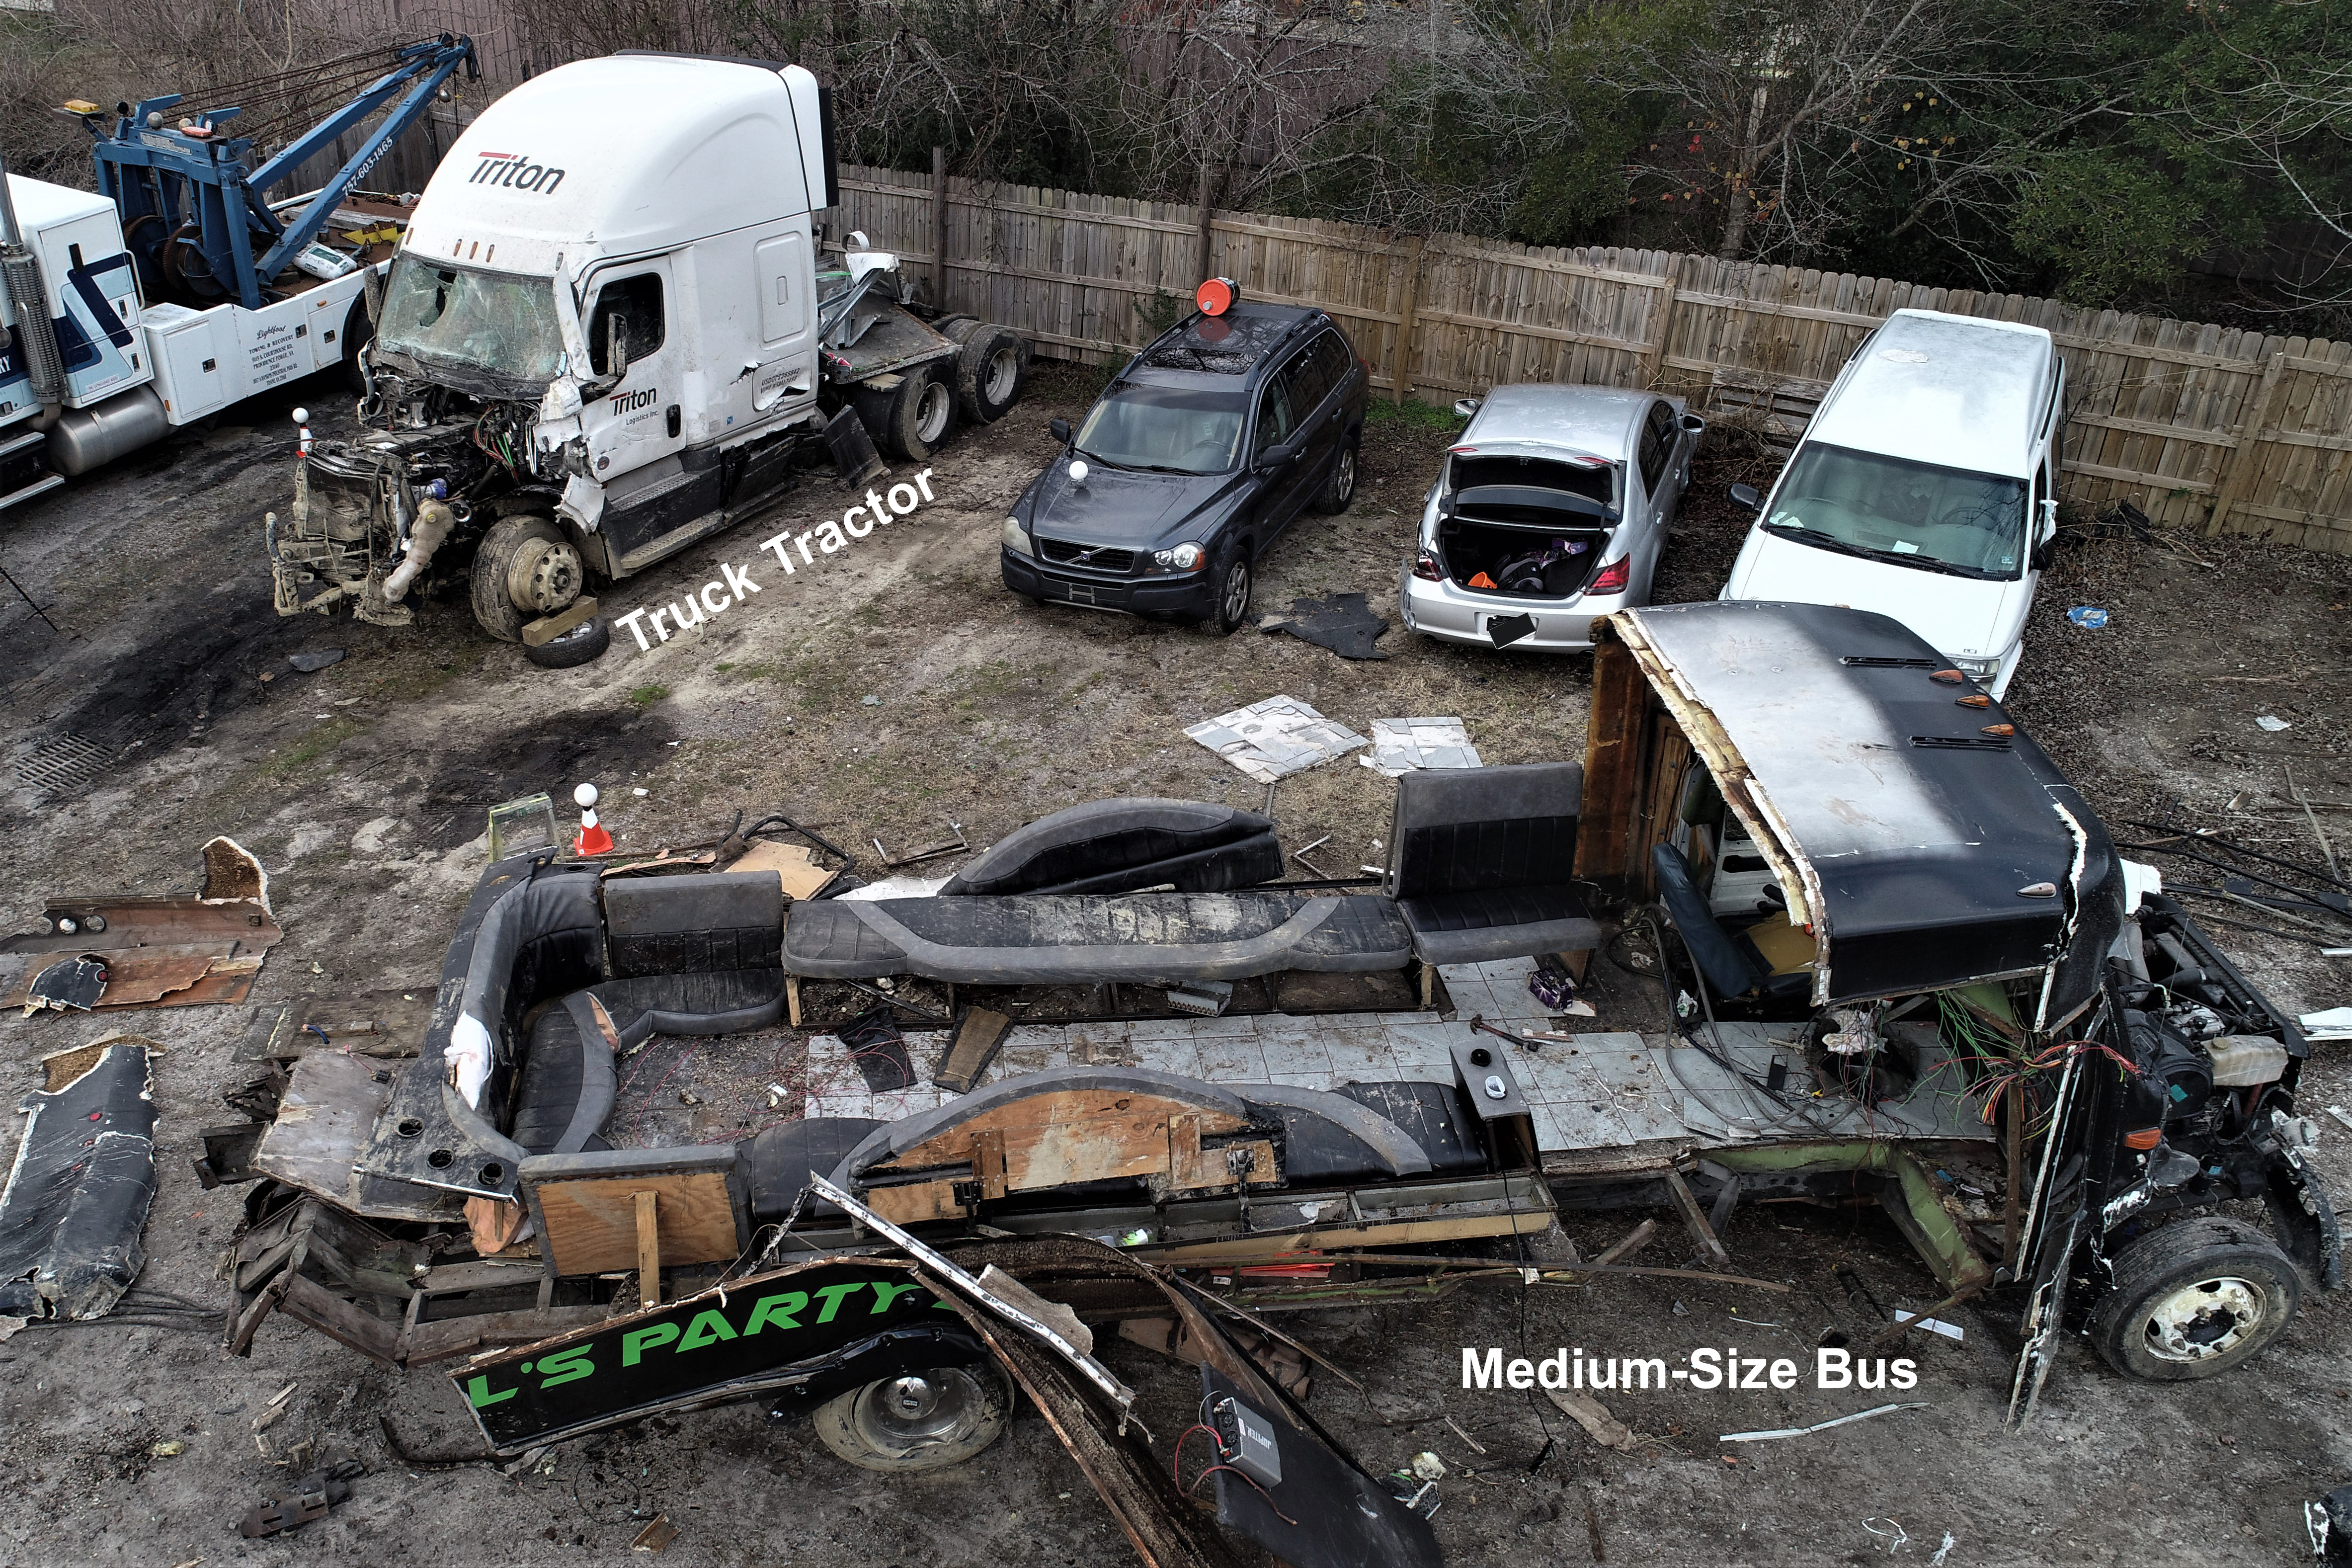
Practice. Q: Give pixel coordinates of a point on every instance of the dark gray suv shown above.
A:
(1191, 463)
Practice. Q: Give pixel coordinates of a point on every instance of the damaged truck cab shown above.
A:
(1873, 878)
(608, 335)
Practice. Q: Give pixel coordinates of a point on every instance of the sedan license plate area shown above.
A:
(1504, 630)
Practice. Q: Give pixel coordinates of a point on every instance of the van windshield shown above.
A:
(1166, 429)
(486, 333)
(1907, 513)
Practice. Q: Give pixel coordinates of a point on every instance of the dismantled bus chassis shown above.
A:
(1902, 956)
(499, 488)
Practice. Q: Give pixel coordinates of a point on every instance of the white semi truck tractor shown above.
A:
(611, 332)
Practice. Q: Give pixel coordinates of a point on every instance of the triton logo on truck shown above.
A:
(628, 402)
(517, 172)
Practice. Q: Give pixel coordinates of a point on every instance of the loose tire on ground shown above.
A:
(1339, 484)
(922, 1421)
(989, 373)
(523, 547)
(584, 644)
(2193, 1299)
(912, 420)
(1233, 581)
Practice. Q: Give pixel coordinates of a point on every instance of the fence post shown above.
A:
(1653, 358)
(939, 228)
(1201, 267)
(1400, 368)
(2245, 458)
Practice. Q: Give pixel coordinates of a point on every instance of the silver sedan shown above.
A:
(1550, 510)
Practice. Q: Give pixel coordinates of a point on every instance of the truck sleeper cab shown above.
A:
(604, 339)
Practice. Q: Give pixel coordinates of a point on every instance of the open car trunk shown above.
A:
(1519, 561)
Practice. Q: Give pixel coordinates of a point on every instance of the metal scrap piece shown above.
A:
(167, 951)
(69, 982)
(79, 1191)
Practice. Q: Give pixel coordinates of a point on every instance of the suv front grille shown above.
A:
(1093, 558)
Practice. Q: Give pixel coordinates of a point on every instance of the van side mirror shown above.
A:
(616, 347)
(1059, 429)
(1465, 406)
(1745, 496)
(1695, 424)
(1277, 457)
(2045, 552)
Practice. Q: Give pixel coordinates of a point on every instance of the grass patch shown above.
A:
(1412, 414)
(647, 696)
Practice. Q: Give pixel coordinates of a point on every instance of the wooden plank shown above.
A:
(1400, 368)
(2136, 476)
(2154, 427)
(646, 1204)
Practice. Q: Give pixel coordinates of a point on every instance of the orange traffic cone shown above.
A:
(593, 839)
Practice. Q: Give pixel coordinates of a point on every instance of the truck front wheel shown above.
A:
(524, 569)
(2193, 1299)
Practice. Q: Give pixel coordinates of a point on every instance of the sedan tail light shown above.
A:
(1425, 567)
(1613, 577)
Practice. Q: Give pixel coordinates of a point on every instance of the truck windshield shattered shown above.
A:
(496, 328)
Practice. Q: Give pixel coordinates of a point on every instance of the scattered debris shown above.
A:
(2341, 1115)
(944, 847)
(312, 660)
(517, 825)
(78, 1195)
(2329, 1523)
(1816, 1426)
(1593, 1416)
(794, 865)
(1201, 998)
(2089, 619)
(1402, 745)
(1428, 1467)
(1342, 622)
(2331, 1023)
(657, 1535)
(1273, 738)
(1475, 1446)
(978, 1036)
(2272, 722)
(878, 1049)
(307, 1499)
(70, 984)
(1933, 1325)
(171, 1448)
(1894, 1535)
(168, 951)
(1943, 1551)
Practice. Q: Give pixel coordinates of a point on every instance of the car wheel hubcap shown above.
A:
(1346, 474)
(931, 412)
(1237, 591)
(2204, 1320)
(1004, 371)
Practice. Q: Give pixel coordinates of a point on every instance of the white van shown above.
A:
(1925, 488)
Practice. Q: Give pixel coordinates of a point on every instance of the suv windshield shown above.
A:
(1911, 514)
(491, 333)
(1170, 430)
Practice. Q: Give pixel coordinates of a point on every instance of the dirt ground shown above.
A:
(898, 687)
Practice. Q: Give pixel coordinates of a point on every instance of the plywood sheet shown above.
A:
(592, 1224)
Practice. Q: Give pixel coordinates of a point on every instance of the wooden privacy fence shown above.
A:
(2196, 423)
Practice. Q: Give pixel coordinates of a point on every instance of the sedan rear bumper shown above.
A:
(1449, 614)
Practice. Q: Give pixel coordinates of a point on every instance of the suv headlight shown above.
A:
(1185, 557)
(1977, 669)
(1016, 538)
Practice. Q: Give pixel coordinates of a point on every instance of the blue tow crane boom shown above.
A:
(192, 212)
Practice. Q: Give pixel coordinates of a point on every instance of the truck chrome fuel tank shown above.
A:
(83, 438)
